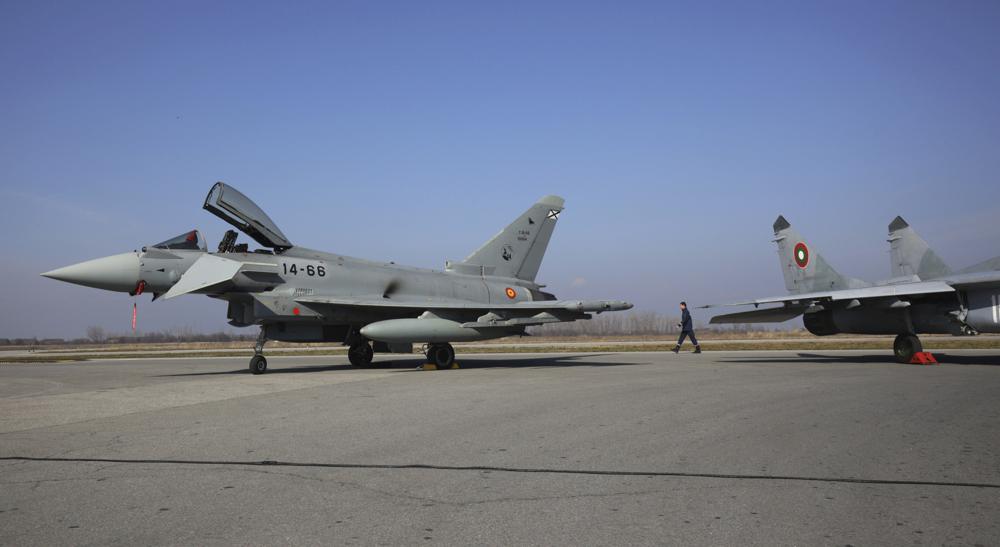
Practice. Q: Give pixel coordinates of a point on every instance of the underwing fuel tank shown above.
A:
(427, 330)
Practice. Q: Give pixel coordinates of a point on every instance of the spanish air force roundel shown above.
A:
(511, 293)
(801, 255)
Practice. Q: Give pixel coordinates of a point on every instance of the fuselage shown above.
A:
(973, 308)
(272, 297)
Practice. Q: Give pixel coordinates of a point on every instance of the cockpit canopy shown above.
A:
(188, 241)
(232, 206)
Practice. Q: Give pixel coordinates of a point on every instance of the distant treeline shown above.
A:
(97, 335)
(639, 323)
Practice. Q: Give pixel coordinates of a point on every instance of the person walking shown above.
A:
(687, 329)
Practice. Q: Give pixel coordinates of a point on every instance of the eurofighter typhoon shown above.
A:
(301, 295)
(924, 295)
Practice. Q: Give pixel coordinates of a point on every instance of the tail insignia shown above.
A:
(801, 254)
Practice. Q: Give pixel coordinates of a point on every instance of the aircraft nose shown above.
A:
(113, 273)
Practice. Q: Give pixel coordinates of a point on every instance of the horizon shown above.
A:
(676, 133)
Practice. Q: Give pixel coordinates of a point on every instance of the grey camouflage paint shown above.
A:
(813, 273)
(300, 294)
(911, 256)
(924, 295)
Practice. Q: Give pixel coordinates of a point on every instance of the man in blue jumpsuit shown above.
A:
(687, 329)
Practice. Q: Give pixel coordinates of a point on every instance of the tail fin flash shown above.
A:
(518, 249)
(804, 269)
(911, 255)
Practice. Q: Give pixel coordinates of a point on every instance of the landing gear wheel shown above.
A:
(361, 355)
(905, 346)
(441, 355)
(258, 364)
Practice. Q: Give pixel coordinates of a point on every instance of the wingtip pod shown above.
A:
(618, 305)
(598, 306)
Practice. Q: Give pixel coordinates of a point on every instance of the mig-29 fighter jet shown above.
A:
(301, 295)
(924, 296)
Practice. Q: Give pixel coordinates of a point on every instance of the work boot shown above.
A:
(697, 349)
(677, 349)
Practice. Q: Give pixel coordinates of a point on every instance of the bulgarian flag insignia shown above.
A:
(801, 255)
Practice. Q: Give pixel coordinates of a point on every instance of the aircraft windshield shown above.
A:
(191, 241)
(230, 205)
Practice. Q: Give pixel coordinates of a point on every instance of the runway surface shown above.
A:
(765, 448)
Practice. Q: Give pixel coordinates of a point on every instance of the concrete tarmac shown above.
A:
(749, 448)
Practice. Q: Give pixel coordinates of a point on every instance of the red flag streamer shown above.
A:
(134, 313)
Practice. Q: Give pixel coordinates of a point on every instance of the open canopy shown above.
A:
(232, 206)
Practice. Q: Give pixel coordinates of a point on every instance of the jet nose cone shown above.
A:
(113, 273)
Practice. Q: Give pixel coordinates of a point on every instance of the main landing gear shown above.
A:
(258, 364)
(441, 356)
(360, 354)
(905, 346)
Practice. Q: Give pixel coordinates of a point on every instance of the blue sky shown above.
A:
(413, 131)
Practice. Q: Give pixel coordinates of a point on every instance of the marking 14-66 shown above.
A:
(309, 270)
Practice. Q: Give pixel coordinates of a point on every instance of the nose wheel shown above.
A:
(441, 356)
(258, 364)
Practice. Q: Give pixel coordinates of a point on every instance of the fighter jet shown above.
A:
(297, 294)
(924, 296)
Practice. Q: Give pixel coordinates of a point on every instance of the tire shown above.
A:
(441, 355)
(258, 364)
(905, 346)
(361, 355)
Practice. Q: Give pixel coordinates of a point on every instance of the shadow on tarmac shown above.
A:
(410, 364)
(877, 358)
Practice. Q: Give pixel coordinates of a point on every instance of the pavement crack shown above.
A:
(501, 469)
(551, 498)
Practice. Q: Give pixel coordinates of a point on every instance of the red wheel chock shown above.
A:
(923, 358)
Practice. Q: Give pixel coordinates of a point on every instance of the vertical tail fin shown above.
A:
(804, 269)
(518, 249)
(911, 255)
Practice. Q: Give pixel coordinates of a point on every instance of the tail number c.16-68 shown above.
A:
(309, 270)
